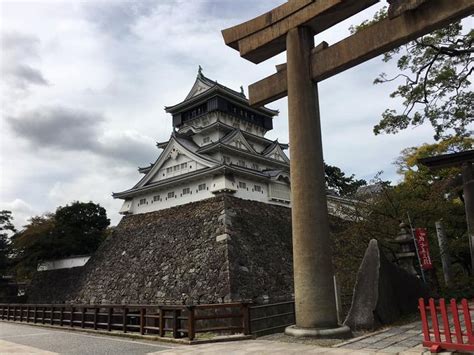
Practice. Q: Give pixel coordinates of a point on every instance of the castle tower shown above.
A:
(218, 145)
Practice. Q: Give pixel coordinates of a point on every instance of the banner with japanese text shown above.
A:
(423, 248)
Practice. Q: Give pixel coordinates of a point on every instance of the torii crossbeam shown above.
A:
(292, 27)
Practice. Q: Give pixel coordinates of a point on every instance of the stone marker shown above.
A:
(383, 292)
(444, 253)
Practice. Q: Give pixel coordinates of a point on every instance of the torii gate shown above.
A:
(292, 27)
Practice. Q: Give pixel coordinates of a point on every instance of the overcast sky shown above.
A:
(84, 85)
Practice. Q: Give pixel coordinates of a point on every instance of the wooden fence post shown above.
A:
(83, 317)
(162, 322)
(72, 316)
(467, 321)
(176, 314)
(434, 319)
(191, 323)
(444, 317)
(51, 313)
(142, 320)
(245, 318)
(124, 319)
(96, 310)
(61, 316)
(109, 318)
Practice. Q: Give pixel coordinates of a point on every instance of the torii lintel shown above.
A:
(366, 44)
(265, 36)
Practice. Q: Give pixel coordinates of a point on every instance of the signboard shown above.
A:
(423, 248)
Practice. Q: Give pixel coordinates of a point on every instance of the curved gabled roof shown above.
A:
(189, 130)
(186, 147)
(275, 147)
(236, 135)
(204, 86)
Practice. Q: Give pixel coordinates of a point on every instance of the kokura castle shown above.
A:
(208, 222)
(218, 145)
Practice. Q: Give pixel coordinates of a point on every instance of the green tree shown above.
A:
(435, 72)
(6, 228)
(337, 181)
(74, 229)
(428, 196)
(34, 243)
(80, 228)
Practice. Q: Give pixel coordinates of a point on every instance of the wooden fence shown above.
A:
(271, 318)
(176, 321)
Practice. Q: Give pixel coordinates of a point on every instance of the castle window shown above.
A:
(206, 140)
(186, 191)
(242, 185)
(184, 165)
(257, 188)
(156, 198)
(255, 166)
(242, 163)
(201, 187)
(226, 159)
(176, 167)
(171, 194)
(169, 170)
(142, 201)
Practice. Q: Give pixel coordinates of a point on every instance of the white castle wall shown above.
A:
(66, 263)
(164, 173)
(242, 188)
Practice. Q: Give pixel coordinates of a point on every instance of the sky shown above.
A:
(84, 85)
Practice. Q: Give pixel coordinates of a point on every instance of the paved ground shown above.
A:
(393, 340)
(266, 347)
(25, 339)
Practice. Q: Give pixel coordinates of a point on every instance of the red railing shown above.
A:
(453, 335)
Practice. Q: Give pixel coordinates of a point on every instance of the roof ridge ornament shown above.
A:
(242, 90)
(199, 71)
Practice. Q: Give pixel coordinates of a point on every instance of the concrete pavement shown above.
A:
(26, 339)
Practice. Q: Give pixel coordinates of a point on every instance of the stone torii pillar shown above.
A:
(315, 303)
(291, 27)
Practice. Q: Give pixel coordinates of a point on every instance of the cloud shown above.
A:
(18, 50)
(94, 79)
(129, 146)
(21, 211)
(25, 74)
(58, 127)
(117, 18)
(68, 129)
(243, 9)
